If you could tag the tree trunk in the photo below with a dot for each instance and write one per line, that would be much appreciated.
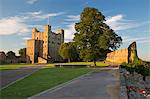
(68, 60)
(94, 63)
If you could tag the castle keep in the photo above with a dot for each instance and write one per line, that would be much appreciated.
(43, 46)
(127, 55)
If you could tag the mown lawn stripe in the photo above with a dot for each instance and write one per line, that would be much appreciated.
(41, 80)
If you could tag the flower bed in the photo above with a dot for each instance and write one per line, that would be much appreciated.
(135, 80)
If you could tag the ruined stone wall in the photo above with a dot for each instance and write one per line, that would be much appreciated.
(132, 53)
(127, 55)
(118, 56)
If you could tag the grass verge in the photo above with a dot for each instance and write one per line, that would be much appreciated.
(101, 64)
(41, 80)
(14, 66)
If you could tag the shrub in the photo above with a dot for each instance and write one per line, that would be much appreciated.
(142, 68)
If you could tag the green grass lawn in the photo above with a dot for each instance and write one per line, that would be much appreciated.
(16, 66)
(82, 63)
(41, 80)
(13, 66)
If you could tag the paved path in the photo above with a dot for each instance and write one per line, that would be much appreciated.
(9, 76)
(100, 84)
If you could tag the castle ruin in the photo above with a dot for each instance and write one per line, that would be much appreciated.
(43, 46)
(127, 55)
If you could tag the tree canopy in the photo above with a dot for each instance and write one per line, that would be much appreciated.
(68, 51)
(22, 52)
(11, 54)
(93, 35)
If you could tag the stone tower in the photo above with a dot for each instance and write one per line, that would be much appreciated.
(132, 52)
(44, 46)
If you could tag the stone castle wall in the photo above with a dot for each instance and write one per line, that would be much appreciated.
(124, 55)
(118, 56)
(43, 46)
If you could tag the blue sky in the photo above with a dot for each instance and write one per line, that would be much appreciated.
(129, 18)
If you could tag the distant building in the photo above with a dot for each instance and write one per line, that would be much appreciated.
(43, 46)
(2, 57)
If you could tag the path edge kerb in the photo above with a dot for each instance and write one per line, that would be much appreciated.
(123, 89)
(59, 86)
(19, 79)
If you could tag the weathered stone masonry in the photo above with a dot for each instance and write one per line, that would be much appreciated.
(43, 46)
(127, 55)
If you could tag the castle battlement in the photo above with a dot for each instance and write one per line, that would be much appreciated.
(43, 46)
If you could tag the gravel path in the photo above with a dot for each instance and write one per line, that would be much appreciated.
(100, 84)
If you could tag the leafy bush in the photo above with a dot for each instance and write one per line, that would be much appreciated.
(140, 67)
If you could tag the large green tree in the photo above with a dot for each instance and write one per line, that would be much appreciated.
(11, 54)
(68, 51)
(22, 52)
(93, 35)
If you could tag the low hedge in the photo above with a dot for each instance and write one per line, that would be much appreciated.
(143, 68)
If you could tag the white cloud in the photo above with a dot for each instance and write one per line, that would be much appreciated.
(14, 50)
(118, 22)
(39, 27)
(114, 18)
(73, 18)
(137, 39)
(69, 32)
(39, 15)
(31, 1)
(145, 41)
(26, 38)
(12, 25)
(44, 16)
(19, 25)
(33, 13)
